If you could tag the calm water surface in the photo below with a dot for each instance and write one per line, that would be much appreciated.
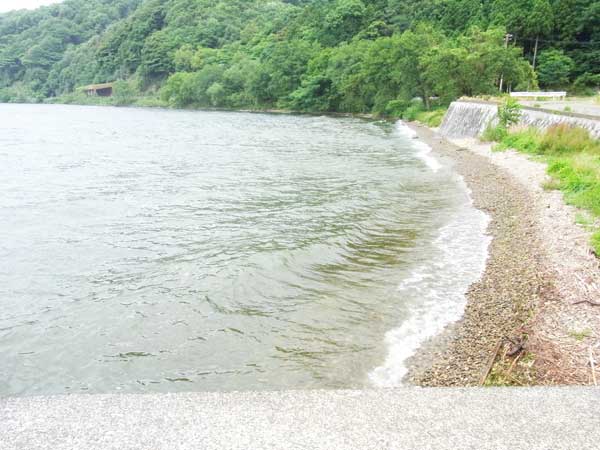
(149, 250)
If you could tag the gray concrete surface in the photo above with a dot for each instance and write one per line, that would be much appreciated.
(581, 106)
(519, 418)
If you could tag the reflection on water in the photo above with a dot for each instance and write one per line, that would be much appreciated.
(148, 250)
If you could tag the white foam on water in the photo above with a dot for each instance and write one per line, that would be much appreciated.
(423, 150)
(437, 289)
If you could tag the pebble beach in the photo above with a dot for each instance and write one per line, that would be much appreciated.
(510, 307)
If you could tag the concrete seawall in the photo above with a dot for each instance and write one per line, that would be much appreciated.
(469, 118)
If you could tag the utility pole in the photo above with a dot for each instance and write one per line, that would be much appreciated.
(537, 38)
(507, 37)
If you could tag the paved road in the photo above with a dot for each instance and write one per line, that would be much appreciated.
(588, 106)
(540, 418)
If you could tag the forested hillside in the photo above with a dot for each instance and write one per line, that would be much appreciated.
(39, 49)
(312, 55)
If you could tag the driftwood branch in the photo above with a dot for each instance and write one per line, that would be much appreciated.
(589, 302)
(591, 289)
(514, 363)
(491, 362)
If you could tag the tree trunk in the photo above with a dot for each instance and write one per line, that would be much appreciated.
(535, 50)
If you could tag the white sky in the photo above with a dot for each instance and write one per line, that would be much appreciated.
(9, 5)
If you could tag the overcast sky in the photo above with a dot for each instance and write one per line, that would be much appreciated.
(9, 5)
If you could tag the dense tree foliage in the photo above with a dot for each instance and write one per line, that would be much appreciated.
(554, 68)
(313, 55)
(46, 48)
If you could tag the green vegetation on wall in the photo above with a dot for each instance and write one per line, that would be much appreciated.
(308, 55)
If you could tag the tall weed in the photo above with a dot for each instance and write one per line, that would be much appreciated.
(563, 139)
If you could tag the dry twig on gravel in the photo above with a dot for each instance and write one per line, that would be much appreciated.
(491, 362)
(589, 302)
(593, 366)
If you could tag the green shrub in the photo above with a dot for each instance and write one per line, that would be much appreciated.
(124, 93)
(586, 84)
(412, 112)
(509, 113)
(494, 133)
(395, 108)
(20, 93)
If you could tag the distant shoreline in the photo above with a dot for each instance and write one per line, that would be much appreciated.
(366, 116)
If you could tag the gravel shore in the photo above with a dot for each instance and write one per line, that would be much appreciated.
(516, 282)
(564, 335)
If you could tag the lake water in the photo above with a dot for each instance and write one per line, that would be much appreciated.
(152, 250)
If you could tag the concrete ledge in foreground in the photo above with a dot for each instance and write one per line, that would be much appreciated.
(412, 418)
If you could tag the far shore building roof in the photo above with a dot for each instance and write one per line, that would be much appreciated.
(102, 89)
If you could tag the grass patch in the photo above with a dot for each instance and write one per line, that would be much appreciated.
(79, 98)
(578, 177)
(584, 220)
(580, 335)
(596, 243)
(513, 371)
(526, 141)
(431, 118)
(494, 133)
(573, 159)
(416, 111)
(150, 102)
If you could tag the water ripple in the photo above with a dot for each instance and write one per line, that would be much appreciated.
(148, 250)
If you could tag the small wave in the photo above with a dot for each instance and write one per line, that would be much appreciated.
(425, 154)
(458, 259)
(423, 150)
